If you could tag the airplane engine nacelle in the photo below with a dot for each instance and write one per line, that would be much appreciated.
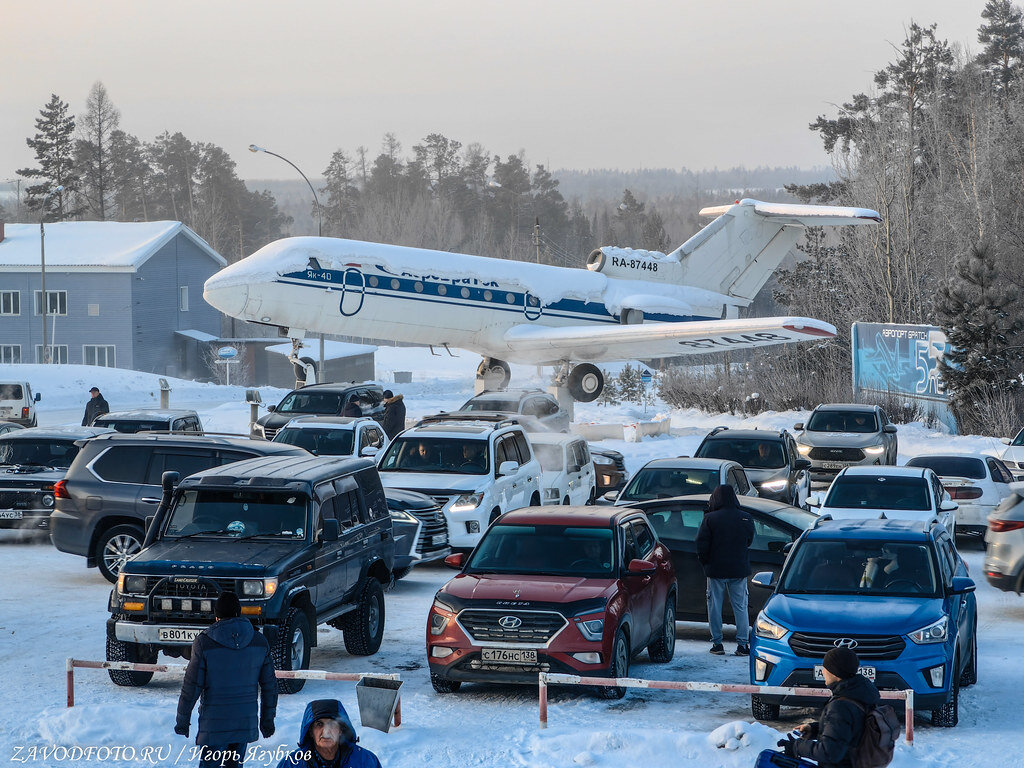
(635, 264)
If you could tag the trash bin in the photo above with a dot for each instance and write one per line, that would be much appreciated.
(377, 698)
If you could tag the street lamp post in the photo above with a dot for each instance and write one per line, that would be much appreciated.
(42, 268)
(319, 227)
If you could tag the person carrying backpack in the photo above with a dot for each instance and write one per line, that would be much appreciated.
(840, 739)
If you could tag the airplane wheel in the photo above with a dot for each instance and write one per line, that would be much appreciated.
(300, 370)
(495, 373)
(585, 382)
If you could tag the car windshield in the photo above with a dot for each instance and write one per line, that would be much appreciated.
(131, 426)
(879, 492)
(860, 567)
(39, 453)
(662, 483)
(1019, 439)
(238, 514)
(322, 442)
(311, 402)
(842, 421)
(550, 550)
(550, 457)
(437, 455)
(749, 452)
(10, 392)
(951, 466)
(489, 404)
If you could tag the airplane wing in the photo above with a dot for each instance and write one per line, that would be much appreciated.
(550, 345)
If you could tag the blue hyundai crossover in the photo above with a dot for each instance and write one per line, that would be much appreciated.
(895, 591)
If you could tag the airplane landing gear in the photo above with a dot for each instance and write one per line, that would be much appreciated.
(492, 374)
(305, 367)
(585, 382)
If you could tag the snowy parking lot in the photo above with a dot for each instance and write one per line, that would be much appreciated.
(54, 608)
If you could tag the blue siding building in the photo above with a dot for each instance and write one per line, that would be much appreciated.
(119, 294)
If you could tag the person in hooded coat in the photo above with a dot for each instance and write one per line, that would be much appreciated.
(96, 407)
(230, 666)
(723, 544)
(394, 414)
(327, 739)
(829, 741)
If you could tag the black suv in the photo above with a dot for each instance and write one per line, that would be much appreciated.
(302, 541)
(771, 460)
(114, 485)
(320, 400)
(32, 461)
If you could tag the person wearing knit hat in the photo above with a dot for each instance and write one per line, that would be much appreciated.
(828, 741)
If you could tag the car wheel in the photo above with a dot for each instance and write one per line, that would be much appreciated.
(618, 668)
(535, 500)
(565, 502)
(969, 675)
(948, 715)
(593, 498)
(119, 650)
(495, 514)
(115, 547)
(291, 651)
(401, 573)
(663, 648)
(443, 685)
(762, 709)
(364, 627)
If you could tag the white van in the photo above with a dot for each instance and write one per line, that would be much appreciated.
(17, 403)
(568, 469)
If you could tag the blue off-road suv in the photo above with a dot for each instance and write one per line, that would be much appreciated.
(895, 591)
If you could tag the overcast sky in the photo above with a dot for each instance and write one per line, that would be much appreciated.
(595, 84)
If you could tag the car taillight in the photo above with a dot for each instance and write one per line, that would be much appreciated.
(964, 492)
(1002, 526)
(60, 491)
(24, 412)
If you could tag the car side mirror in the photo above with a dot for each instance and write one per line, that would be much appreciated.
(507, 468)
(271, 408)
(455, 561)
(369, 450)
(611, 496)
(640, 568)
(802, 464)
(764, 579)
(1005, 440)
(331, 530)
(948, 506)
(962, 585)
(799, 426)
(778, 546)
(38, 397)
(889, 429)
(814, 500)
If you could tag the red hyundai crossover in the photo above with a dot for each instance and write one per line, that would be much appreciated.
(581, 591)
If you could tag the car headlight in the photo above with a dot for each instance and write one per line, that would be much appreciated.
(592, 629)
(135, 585)
(440, 613)
(874, 450)
(775, 485)
(933, 633)
(804, 449)
(405, 517)
(259, 587)
(765, 627)
(467, 502)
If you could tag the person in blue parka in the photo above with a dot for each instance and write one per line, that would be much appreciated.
(328, 740)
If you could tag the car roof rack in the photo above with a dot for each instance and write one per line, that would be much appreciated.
(821, 519)
(716, 430)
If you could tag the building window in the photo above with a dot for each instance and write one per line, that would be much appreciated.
(10, 354)
(99, 354)
(56, 302)
(58, 353)
(183, 298)
(94, 310)
(10, 302)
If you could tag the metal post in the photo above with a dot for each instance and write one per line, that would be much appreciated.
(542, 685)
(71, 682)
(909, 710)
(42, 279)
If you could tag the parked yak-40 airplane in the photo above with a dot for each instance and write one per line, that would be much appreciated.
(627, 304)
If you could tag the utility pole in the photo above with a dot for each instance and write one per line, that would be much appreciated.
(536, 237)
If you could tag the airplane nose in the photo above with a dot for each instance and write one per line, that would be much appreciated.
(229, 299)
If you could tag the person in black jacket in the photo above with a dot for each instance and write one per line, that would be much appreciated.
(394, 414)
(95, 408)
(723, 541)
(353, 408)
(829, 740)
(230, 665)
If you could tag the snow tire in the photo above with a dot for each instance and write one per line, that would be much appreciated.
(363, 628)
(291, 649)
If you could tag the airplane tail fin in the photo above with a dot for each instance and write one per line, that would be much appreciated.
(737, 252)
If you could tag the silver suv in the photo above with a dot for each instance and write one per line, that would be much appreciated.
(843, 435)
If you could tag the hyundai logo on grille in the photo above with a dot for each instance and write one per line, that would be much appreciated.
(510, 622)
(845, 642)
(836, 450)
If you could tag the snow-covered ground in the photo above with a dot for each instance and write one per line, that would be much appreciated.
(53, 608)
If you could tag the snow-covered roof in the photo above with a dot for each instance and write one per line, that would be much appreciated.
(113, 246)
(333, 350)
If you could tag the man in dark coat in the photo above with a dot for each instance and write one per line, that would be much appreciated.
(353, 407)
(328, 740)
(95, 408)
(829, 740)
(394, 414)
(230, 665)
(723, 541)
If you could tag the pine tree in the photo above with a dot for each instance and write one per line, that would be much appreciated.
(629, 384)
(93, 152)
(340, 207)
(631, 218)
(54, 148)
(976, 309)
(1002, 36)
(130, 174)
